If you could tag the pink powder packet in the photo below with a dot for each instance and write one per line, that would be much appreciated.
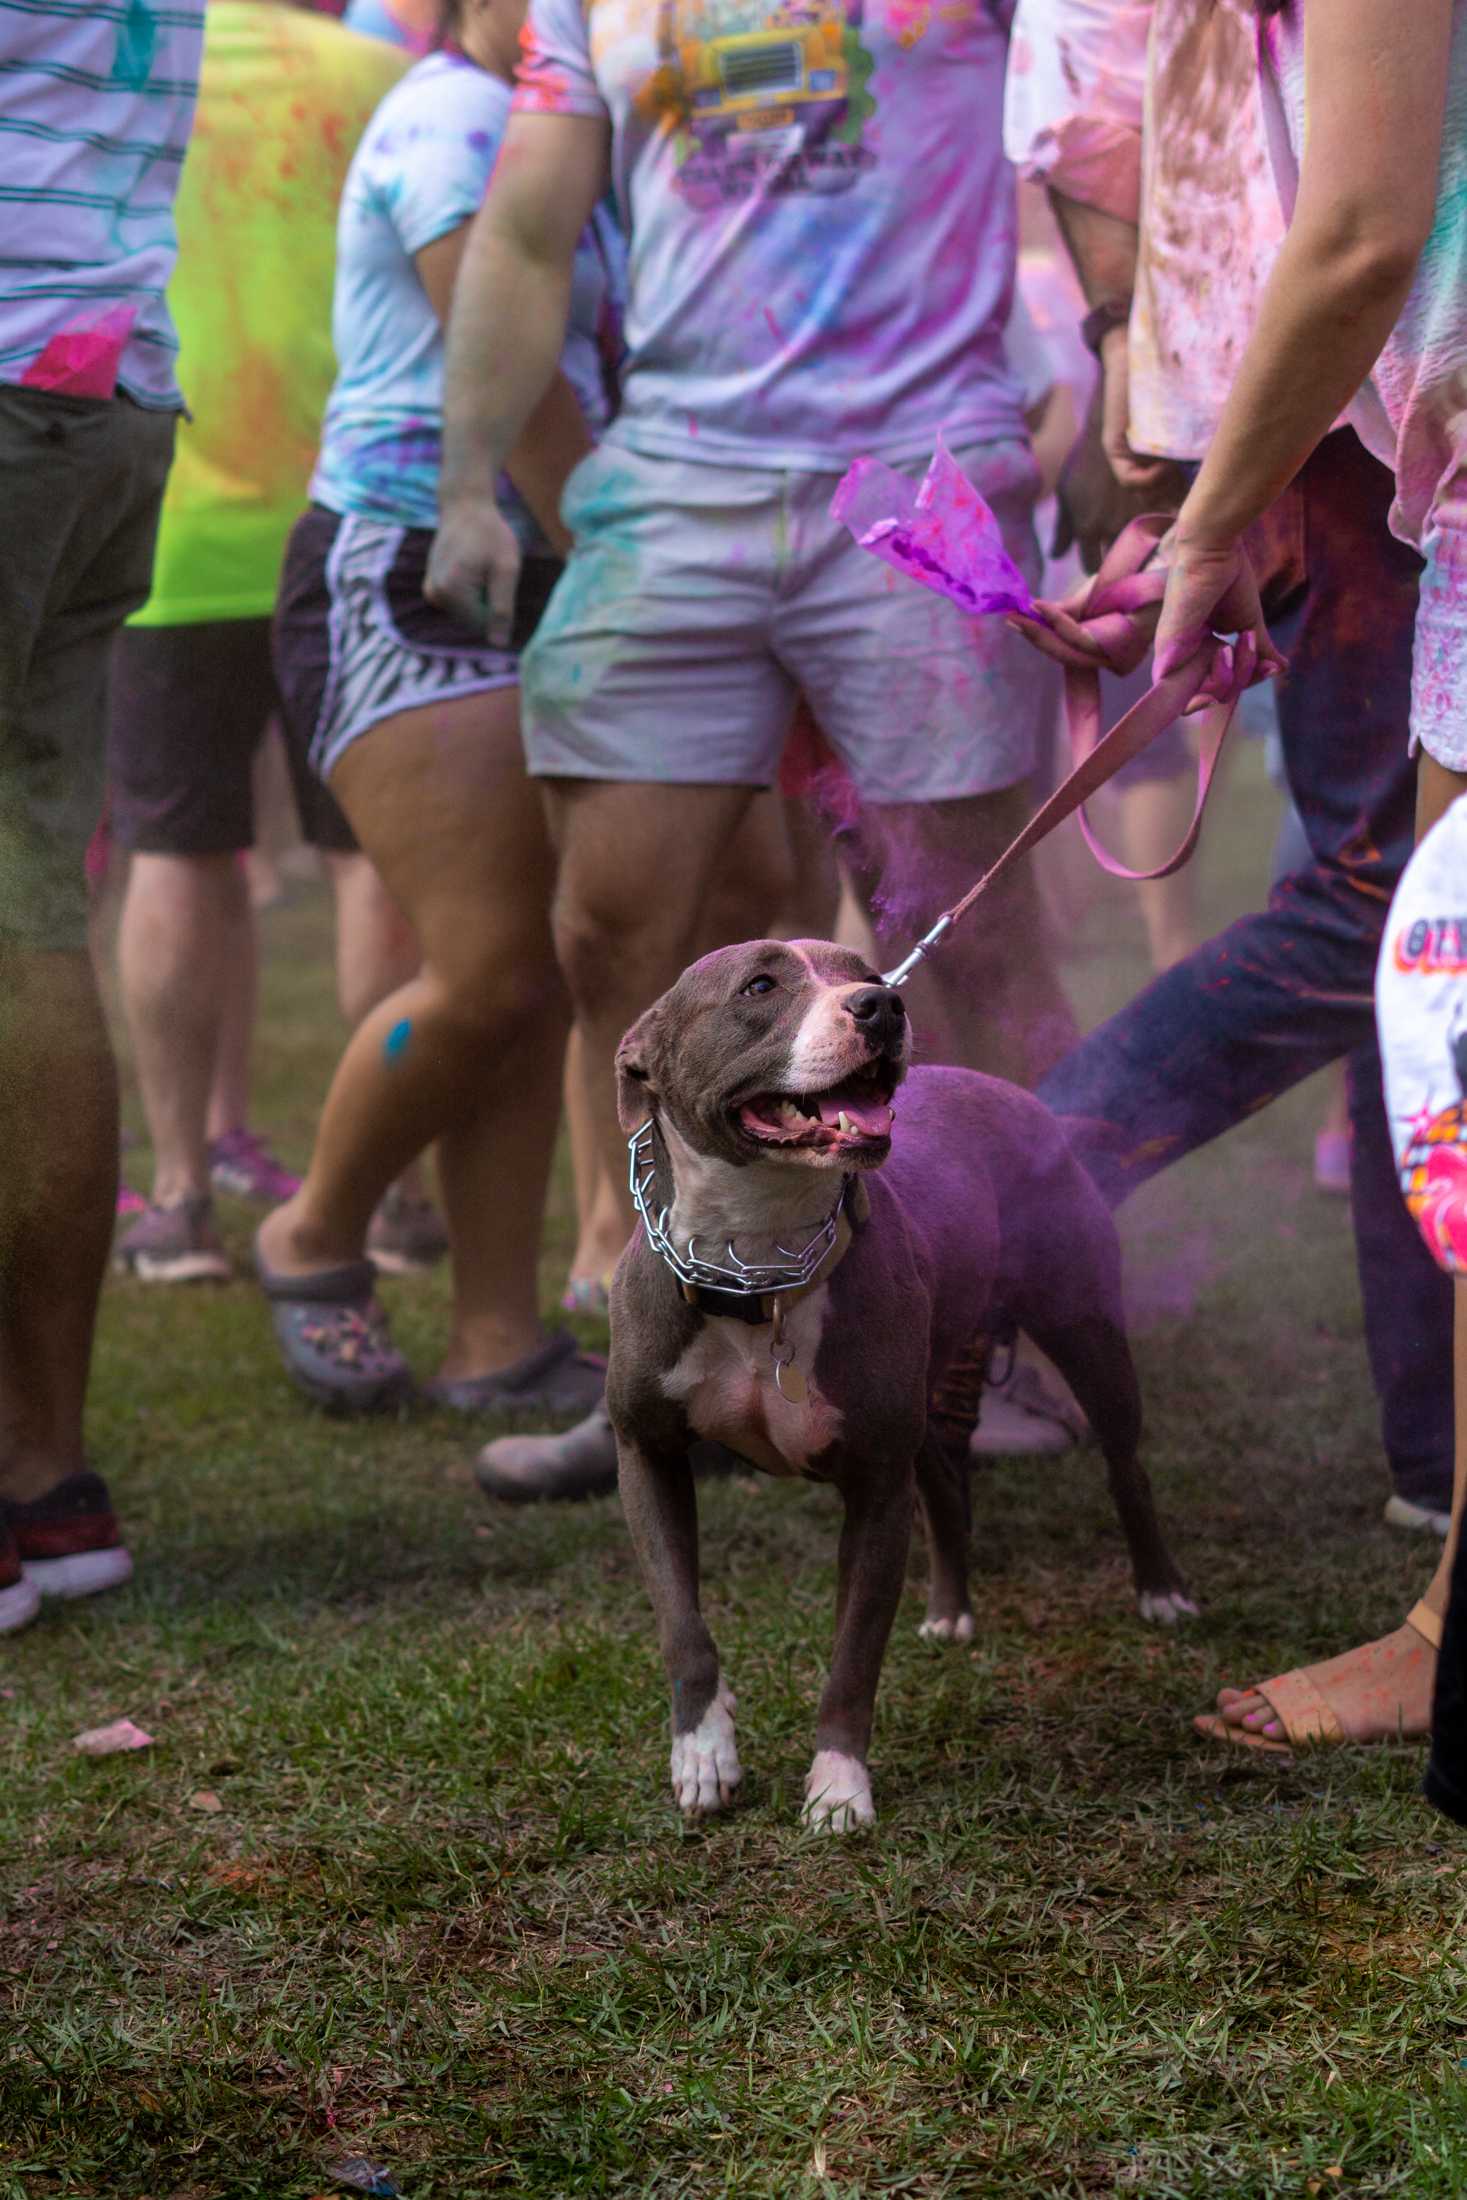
(939, 532)
(83, 362)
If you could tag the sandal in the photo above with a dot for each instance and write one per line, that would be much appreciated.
(1305, 1713)
(334, 1339)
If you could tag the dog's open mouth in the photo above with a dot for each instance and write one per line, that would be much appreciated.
(852, 1117)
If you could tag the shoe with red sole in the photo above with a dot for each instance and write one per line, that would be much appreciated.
(69, 1542)
(20, 1599)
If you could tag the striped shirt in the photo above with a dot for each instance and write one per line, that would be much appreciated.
(96, 103)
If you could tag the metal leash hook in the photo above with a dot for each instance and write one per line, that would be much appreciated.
(789, 1378)
(924, 946)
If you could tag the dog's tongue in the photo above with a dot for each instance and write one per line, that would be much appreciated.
(865, 1113)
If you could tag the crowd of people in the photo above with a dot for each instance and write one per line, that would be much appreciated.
(523, 354)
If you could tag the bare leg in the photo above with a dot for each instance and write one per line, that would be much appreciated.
(989, 998)
(755, 879)
(635, 859)
(1381, 1689)
(58, 1192)
(376, 952)
(469, 1050)
(872, 1567)
(662, 1516)
(601, 1226)
(229, 1094)
(186, 929)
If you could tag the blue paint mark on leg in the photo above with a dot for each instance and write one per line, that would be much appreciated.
(395, 1044)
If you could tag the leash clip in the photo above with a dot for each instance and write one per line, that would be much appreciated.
(789, 1378)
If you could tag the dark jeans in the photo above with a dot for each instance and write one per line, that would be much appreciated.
(1290, 988)
(1446, 1775)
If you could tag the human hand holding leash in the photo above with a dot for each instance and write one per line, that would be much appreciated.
(474, 567)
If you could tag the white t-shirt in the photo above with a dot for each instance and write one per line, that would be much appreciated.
(820, 215)
(1412, 412)
(422, 169)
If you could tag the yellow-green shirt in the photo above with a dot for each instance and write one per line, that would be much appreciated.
(283, 98)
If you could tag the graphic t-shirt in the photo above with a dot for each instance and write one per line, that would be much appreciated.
(95, 105)
(1412, 411)
(421, 170)
(283, 98)
(820, 214)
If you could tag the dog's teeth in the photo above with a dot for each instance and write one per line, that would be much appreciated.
(843, 1121)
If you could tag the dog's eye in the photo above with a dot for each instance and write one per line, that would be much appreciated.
(761, 984)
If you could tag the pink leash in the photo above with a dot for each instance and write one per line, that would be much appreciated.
(1126, 583)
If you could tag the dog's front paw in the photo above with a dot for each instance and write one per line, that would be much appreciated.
(1166, 1607)
(705, 1761)
(960, 1629)
(837, 1794)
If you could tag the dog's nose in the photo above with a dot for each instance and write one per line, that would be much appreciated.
(879, 1011)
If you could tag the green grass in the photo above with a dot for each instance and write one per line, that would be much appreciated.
(446, 1918)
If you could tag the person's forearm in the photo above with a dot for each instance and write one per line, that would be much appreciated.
(1103, 248)
(505, 338)
(1331, 302)
(554, 441)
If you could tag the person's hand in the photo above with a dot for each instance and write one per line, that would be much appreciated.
(474, 567)
(1210, 590)
(1096, 502)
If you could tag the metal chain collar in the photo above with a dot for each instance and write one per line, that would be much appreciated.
(751, 1280)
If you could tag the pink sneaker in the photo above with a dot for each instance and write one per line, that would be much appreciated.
(240, 1162)
(129, 1202)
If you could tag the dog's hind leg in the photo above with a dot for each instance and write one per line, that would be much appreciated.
(1095, 1360)
(942, 1492)
(661, 1511)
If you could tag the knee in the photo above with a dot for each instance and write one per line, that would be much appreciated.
(495, 995)
(614, 952)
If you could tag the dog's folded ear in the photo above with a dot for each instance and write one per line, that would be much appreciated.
(636, 1070)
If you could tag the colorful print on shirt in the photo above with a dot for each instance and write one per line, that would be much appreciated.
(820, 214)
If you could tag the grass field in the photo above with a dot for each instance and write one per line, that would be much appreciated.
(443, 1916)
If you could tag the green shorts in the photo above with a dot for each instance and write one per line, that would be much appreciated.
(84, 483)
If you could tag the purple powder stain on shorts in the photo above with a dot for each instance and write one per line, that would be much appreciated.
(394, 1046)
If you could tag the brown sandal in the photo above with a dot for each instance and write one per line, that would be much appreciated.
(1305, 1714)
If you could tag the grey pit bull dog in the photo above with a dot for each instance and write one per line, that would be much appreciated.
(823, 1319)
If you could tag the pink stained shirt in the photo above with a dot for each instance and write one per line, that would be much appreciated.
(1153, 107)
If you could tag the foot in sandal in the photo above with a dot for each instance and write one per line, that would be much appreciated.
(1377, 1692)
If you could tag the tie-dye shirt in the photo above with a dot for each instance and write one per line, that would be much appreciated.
(1413, 410)
(1152, 107)
(422, 170)
(821, 218)
(283, 98)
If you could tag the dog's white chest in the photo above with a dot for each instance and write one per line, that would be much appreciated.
(726, 1381)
